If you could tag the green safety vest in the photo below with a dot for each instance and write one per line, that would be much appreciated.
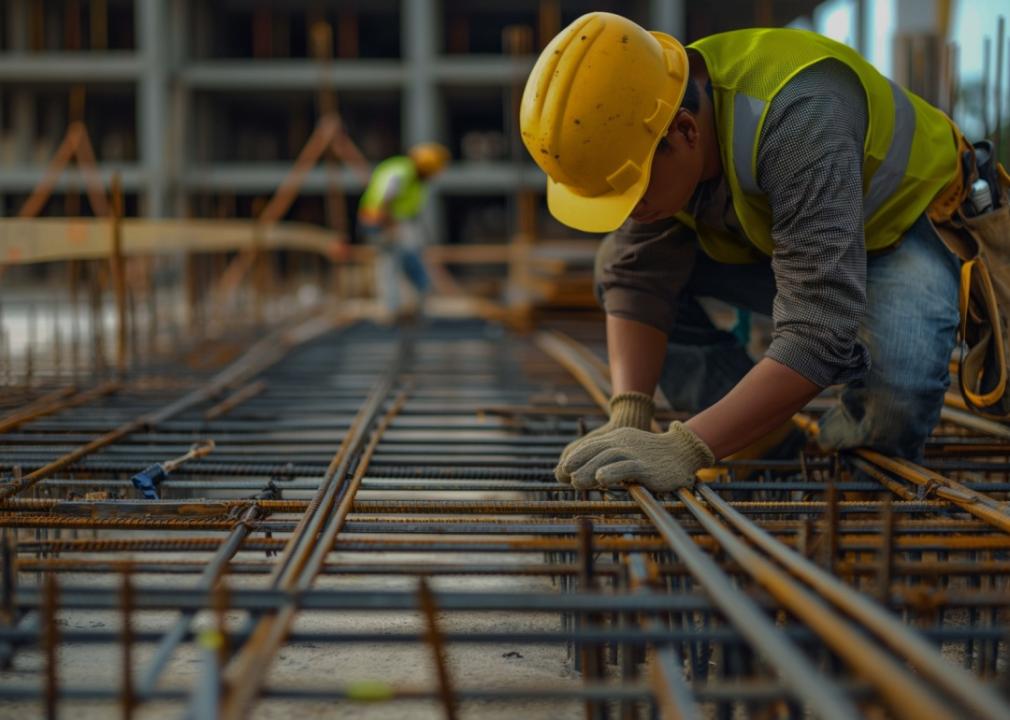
(909, 156)
(408, 201)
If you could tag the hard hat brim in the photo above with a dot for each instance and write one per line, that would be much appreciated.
(598, 214)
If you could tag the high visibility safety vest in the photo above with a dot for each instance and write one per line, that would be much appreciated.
(909, 155)
(410, 197)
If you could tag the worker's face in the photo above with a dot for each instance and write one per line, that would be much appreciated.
(676, 171)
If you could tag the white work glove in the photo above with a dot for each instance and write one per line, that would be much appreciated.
(629, 409)
(660, 461)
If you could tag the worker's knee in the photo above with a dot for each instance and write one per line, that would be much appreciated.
(900, 424)
(892, 419)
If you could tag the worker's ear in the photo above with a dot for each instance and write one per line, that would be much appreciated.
(684, 124)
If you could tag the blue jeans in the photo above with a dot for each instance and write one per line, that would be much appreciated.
(413, 267)
(399, 251)
(909, 330)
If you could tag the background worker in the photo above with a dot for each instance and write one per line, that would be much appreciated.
(389, 218)
(773, 169)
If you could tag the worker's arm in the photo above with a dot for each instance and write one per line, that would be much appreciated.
(385, 210)
(766, 397)
(819, 258)
(640, 270)
(636, 353)
(814, 190)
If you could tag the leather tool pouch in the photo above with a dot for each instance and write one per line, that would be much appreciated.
(983, 244)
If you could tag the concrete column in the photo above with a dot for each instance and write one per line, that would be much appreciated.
(860, 28)
(21, 100)
(420, 26)
(916, 30)
(669, 16)
(179, 151)
(419, 39)
(915, 16)
(152, 101)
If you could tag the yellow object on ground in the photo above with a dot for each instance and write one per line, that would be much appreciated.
(370, 691)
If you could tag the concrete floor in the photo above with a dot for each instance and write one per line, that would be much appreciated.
(316, 665)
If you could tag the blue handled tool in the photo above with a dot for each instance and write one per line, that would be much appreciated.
(149, 479)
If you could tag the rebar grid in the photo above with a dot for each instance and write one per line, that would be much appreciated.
(388, 493)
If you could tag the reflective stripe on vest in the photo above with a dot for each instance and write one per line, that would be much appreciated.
(890, 173)
(747, 113)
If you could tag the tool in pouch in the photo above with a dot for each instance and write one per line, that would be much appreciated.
(978, 232)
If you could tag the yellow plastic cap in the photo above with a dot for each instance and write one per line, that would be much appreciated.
(598, 101)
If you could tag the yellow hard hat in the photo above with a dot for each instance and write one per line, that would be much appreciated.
(430, 158)
(598, 101)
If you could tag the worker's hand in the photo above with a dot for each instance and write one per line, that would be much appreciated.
(660, 461)
(630, 409)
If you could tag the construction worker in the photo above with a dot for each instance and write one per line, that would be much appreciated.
(389, 218)
(773, 169)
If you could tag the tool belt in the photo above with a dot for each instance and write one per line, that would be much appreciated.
(982, 241)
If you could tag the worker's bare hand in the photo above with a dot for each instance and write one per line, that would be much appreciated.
(660, 461)
(630, 409)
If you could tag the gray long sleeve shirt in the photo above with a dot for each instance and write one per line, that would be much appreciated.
(809, 165)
